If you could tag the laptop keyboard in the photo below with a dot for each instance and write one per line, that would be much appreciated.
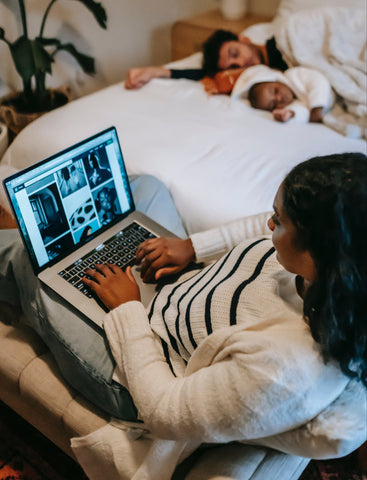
(119, 250)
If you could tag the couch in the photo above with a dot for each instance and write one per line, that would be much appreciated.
(32, 385)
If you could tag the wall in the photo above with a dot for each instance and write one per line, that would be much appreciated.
(265, 7)
(138, 34)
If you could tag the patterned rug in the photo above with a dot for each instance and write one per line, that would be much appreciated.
(25, 454)
(339, 469)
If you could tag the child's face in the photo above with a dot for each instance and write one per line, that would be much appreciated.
(271, 95)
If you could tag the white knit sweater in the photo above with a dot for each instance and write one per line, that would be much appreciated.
(226, 354)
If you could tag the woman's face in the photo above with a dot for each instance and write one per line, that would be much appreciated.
(291, 256)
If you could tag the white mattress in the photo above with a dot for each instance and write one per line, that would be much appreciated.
(219, 158)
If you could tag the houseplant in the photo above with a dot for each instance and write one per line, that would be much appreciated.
(33, 60)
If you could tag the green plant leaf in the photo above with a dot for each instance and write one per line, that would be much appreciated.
(42, 58)
(30, 58)
(48, 41)
(85, 61)
(97, 10)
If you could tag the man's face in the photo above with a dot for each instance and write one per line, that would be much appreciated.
(238, 54)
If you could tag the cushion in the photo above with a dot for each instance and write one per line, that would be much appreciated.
(335, 432)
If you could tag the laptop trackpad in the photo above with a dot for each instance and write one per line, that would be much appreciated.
(147, 290)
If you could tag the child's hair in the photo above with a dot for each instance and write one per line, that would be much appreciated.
(326, 200)
(211, 50)
(253, 95)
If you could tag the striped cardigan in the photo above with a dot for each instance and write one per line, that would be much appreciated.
(265, 374)
(222, 355)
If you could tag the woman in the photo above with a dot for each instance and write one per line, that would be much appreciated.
(226, 353)
(319, 234)
(236, 359)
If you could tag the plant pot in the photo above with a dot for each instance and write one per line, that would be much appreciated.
(3, 139)
(16, 120)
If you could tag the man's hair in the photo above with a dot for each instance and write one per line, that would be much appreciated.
(326, 200)
(211, 50)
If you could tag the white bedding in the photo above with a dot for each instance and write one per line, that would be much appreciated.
(314, 38)
(221, 160)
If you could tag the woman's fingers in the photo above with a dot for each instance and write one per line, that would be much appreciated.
(162, 272)
(147, 247)
(95, 275)
(130, 275)
(112, 285)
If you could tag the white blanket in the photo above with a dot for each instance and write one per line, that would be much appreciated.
(221, 160)
(333, 41)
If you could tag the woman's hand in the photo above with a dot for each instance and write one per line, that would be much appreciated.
(164, 256)
(138, 77)
(112, 285)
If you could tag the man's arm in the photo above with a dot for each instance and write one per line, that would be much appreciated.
(195, 74)
(138, 77)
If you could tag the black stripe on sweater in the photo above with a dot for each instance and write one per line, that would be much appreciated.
(222, 262)
(208, 321)
(172, 339)
(166, 355)
(164, 344)
(243, 285)
(177, 323)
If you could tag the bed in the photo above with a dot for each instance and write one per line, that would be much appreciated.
(220, 160)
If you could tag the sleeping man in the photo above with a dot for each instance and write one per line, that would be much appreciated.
(308, 38)
(222, 51)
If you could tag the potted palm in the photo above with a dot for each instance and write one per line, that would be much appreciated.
(33, 58)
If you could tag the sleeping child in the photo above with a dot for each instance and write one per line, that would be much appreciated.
(299, 93)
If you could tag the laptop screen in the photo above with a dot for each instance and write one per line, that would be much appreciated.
(66, 200)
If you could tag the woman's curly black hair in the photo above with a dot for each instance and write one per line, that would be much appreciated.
(326, 199)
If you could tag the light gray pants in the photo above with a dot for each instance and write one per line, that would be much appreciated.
(80, 349)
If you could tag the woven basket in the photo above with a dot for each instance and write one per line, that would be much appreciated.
(16, 121)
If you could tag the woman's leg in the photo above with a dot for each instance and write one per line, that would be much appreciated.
(152, 198)
(80, 348)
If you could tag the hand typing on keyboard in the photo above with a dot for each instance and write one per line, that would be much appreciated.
(112, 285)
(164, 256)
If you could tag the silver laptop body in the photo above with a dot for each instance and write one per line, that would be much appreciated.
(73, 206)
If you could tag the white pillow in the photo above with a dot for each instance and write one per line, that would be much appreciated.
(335, 432)
(287, 7)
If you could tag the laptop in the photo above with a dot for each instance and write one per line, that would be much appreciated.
(74, 210)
